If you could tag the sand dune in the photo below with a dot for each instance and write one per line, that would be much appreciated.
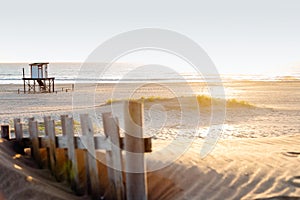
(21, 178)
(236, 169)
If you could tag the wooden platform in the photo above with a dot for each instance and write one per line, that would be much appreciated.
(38, 85)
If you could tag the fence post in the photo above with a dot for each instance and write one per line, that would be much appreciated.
(18, 129)
(5, 132)
(136, 179)
(63, 123)
(72, 157)
(63, 171)
(33, 131)
(92, 171)
(50, 132)
(114, 157)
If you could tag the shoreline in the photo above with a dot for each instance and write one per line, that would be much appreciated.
(135, 81)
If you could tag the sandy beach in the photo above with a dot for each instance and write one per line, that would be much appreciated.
(241, 166)
(150, 100)
(237, 169)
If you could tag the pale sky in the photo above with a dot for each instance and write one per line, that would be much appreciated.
(257, 36)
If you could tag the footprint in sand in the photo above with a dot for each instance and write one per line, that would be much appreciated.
(292, 154)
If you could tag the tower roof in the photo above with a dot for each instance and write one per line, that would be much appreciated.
(44, 63)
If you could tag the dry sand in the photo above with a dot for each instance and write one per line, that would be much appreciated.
(236, 169)
(20, 178)
(257, 168)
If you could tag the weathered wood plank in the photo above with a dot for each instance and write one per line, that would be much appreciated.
(5, 132)
(33, 132)
(101, 142)
(51, 144)
(136, 179)
(114, 156)
(110, 171)
(43, 141)
(63, 155)
(92, 167)
(63, 123)
(72, 157)
(147, 144)
(18, 129)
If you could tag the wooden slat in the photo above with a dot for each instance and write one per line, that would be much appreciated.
(110, 171)
(33, 131)
(43, 141)
(92, 168)
(63, 123)
(147, 144)
(51, 144)
(136, 179)
(68, 126)
(101, 142)
(64, 156)
(61, 142)
(114, 156)
(5, 132)
(18, 129)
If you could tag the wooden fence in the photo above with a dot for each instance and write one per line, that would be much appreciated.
(135, 186)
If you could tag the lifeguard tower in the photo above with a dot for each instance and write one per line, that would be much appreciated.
(39, 82)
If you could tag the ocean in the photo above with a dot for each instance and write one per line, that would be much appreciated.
(11, 73)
